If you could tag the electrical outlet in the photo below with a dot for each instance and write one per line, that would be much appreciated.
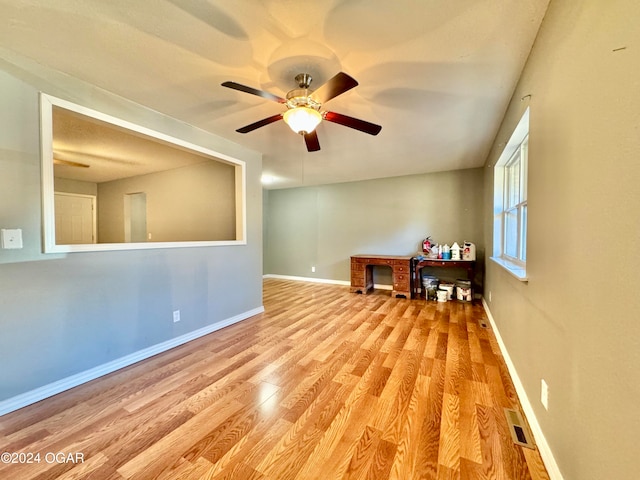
(489, 295)
(313, 269)
(176, 316)
(544, 394)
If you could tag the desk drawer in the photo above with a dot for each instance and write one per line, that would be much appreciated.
(401, 267)
(401, 282)
(357, 267)
(360, 260)
(381, 261)
(373, 260)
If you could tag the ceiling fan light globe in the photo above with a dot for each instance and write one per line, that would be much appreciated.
(302, 119)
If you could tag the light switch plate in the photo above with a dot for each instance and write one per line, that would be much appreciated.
(11, 238)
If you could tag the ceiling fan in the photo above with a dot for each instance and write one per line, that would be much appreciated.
(69, 163)
(304, 108)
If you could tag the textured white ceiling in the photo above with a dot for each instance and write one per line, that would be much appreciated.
(108, 152)
(436, 74)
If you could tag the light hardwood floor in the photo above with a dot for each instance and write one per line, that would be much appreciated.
(324, 385)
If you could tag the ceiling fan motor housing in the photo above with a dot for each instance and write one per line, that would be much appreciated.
(300, 97)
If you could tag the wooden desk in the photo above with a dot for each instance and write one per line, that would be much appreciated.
(362, 273)
(468, 265)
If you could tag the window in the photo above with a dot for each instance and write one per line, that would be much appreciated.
(515, 206)
(510, 203)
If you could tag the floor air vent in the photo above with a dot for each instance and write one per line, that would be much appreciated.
(519, 431)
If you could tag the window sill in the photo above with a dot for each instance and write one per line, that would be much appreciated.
(517, 271)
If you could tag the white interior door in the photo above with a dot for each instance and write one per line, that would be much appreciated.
(75, 219)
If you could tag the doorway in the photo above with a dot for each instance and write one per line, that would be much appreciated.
(75, 218)
(135, 217)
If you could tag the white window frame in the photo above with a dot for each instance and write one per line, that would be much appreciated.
(518, 158)
(514, 154)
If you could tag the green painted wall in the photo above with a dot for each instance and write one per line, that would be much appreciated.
(323, 226)
(575, 323)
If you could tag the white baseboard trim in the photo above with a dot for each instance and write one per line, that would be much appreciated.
(541, 441)
(320, 280)
(306, 279)
(33, 396)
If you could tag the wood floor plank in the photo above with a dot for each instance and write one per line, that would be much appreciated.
(405, 459)
(324, 385)
(449, 454)
(537, 470)
(333, 452)
(493, 466)
(363, 454)
(470, 443)
(292, 451)
(429, 444)
(166, 451)
(252, 450)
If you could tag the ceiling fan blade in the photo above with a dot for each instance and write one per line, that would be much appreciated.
(254, 91)
(363, 126)
(311, 139)
(260, 123)
(69, 163)
(335, 86)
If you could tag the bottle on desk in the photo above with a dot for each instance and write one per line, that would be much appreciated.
(446, 252)
(469, 251)
(455, 251)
